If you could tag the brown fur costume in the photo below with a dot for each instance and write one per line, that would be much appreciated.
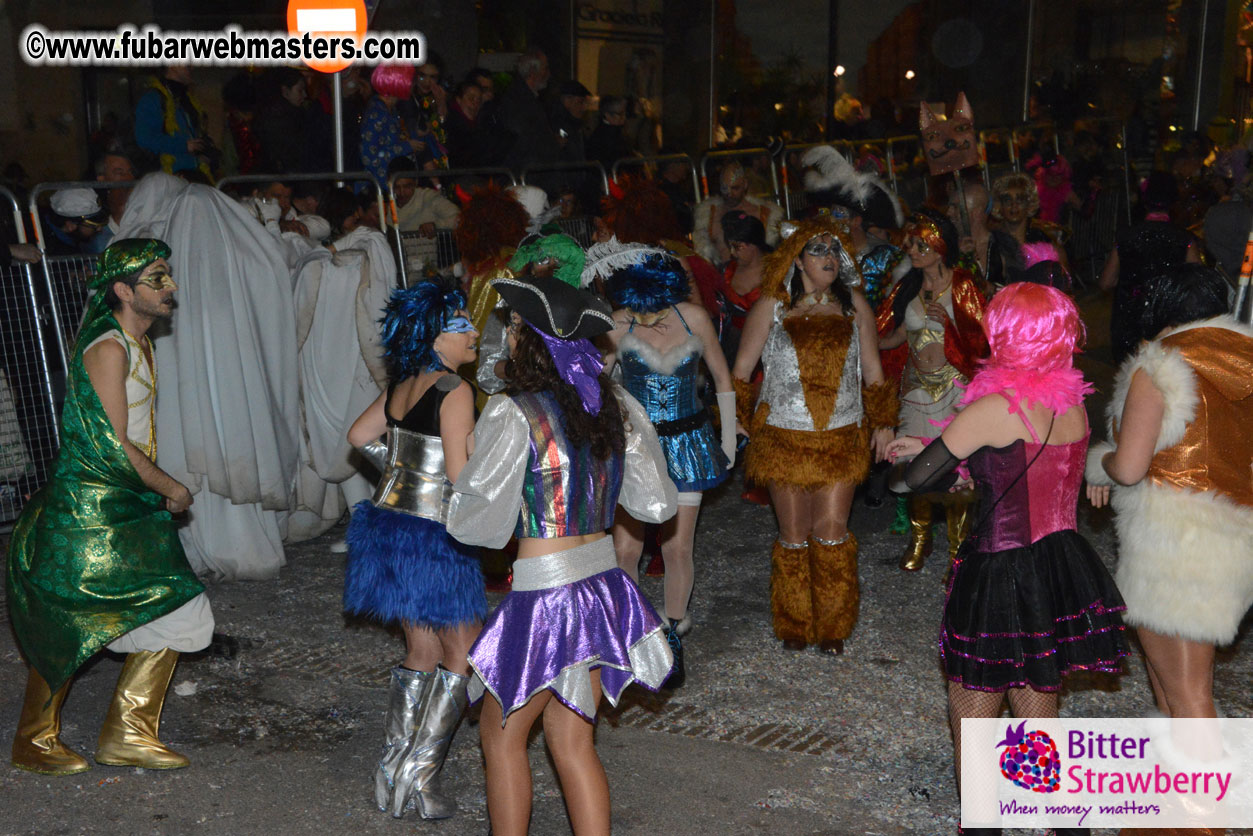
(795, 458)
(881, 403)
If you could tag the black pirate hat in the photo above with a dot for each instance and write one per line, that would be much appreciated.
(556, 308)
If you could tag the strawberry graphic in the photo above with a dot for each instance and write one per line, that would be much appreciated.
(1030, 759)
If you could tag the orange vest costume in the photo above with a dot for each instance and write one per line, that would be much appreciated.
(1185, 531)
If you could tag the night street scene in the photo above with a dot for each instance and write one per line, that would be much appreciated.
(627, 416)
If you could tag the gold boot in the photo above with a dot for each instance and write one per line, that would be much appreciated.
(919, 532)
(129, 734)
(37, 745)
(957, 515)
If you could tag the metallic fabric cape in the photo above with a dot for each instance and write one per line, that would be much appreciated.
(964, 341)
(94, 554)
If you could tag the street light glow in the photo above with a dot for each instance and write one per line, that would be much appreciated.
(839, 69)
(909, 74)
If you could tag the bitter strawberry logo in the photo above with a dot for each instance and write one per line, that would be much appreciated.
(1030, 759)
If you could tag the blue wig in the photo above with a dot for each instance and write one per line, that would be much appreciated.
(652, 284)
(413, 318)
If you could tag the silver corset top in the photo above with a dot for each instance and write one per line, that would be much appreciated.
(782, 389)
(414, 480)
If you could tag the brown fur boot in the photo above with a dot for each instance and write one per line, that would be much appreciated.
(836, 595)
(790, 592)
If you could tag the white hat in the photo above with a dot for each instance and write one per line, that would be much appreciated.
(75, 203)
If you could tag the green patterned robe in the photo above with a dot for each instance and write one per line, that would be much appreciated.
(94, 554)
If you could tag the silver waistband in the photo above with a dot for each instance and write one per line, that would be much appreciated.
(560, 568)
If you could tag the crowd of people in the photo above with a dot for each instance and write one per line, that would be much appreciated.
(551, 405)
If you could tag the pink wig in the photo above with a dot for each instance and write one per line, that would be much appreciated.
(1033, 254)
(392, 80)
(1032, 327)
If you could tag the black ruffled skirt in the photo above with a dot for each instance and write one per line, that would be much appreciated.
(1029, 616)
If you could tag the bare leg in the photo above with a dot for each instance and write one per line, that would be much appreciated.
(677, 543)
(508, 770)
(1185, 671)
(1159, 693)
(571, 740)
(455, 644)
(422, 648)
(628, 543)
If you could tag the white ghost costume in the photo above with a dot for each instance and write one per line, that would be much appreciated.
(228, 409)
(339, 302)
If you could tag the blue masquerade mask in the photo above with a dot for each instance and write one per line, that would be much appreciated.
(458, 325)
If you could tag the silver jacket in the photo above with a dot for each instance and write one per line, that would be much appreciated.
(488, 498)
(414, 480)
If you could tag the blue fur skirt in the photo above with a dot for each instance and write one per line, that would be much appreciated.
(407, 568)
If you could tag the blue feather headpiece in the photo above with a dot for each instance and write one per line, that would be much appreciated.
(413, 318)
(652, 284)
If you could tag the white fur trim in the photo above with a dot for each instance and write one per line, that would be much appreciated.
(1185, 564)
(1173, 377)
(1094, 473)
(662, 362)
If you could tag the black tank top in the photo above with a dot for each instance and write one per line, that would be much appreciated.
(423, 416)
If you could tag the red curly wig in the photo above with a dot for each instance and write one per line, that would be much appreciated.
(642, 215)
(492, 221)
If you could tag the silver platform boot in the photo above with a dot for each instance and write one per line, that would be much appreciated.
(404, 704)
(416, 776)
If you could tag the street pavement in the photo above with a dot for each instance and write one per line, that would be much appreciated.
(284, 737)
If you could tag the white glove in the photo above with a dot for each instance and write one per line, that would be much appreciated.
(726, 415)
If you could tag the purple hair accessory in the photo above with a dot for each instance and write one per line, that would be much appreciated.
(578, 362)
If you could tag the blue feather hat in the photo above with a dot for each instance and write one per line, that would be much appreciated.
(413, 318)
(653, 283)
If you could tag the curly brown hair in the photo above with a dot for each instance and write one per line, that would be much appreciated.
(530, 368)
(491, 221)
(642, 215)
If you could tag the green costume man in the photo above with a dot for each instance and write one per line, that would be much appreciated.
(95, 558)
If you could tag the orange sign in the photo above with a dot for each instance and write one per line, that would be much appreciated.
(328, 18)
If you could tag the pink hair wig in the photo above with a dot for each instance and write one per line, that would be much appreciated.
(1033, 254)
(392, 80)
(1032, 326)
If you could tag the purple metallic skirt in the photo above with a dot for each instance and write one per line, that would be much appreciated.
(569, 613)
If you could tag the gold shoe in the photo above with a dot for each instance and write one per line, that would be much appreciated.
(129, 734)
(957, 515)
(37, 745)
(919, 533)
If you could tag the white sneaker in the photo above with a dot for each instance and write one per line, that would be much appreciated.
(339, 547)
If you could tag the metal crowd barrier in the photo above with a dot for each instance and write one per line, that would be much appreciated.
(317, 177)
(414, 252)
(29, 434)
(732, 153)
(65, 275)
(650, 162)
(593, 166)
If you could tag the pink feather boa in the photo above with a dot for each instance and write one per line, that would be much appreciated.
(1058, 390)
